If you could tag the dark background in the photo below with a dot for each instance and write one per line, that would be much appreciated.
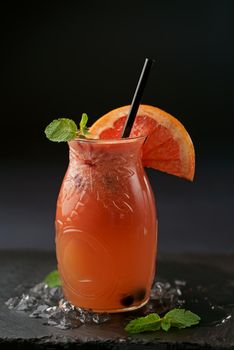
(65, 58)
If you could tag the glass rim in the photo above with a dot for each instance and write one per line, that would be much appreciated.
(109, 141)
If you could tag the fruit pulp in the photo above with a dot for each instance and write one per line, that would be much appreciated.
(106, 226)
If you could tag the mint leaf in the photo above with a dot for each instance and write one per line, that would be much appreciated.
(83, 123)
(53, 279)
(181, 318)
(178, 318)
(150, 322)
(165, 324)
(61, 130)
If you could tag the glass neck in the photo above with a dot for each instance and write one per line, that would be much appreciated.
(112, 152)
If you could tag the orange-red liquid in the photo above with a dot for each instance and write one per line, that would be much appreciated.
(106, 226)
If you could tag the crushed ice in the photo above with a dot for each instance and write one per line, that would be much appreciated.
(165, 296)
(41, 301)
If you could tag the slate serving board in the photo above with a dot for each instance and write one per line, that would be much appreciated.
(213, 273)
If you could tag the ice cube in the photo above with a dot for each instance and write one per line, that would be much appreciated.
(101, 318)
(180, 283)
(12, 302)
(40, 312)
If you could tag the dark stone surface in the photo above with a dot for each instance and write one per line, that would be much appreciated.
(213, 273)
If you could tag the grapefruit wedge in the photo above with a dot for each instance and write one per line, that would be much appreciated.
(168, 146)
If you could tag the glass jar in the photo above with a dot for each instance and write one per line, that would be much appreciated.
(106, 226)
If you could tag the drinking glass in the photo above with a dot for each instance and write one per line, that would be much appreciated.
(106, 226)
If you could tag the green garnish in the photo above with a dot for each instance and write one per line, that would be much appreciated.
(151, 322)
(64, 129)
(53, 279)
(178, 318)
(83, 122)
(61, 129)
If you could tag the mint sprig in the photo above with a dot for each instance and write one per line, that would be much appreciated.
(178, 318)
(53, 279)
(64, 129)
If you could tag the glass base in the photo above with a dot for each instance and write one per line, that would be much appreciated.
(130, 308)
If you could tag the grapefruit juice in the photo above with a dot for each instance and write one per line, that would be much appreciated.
(106, 226)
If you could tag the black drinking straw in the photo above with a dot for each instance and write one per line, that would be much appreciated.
(137, 97)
